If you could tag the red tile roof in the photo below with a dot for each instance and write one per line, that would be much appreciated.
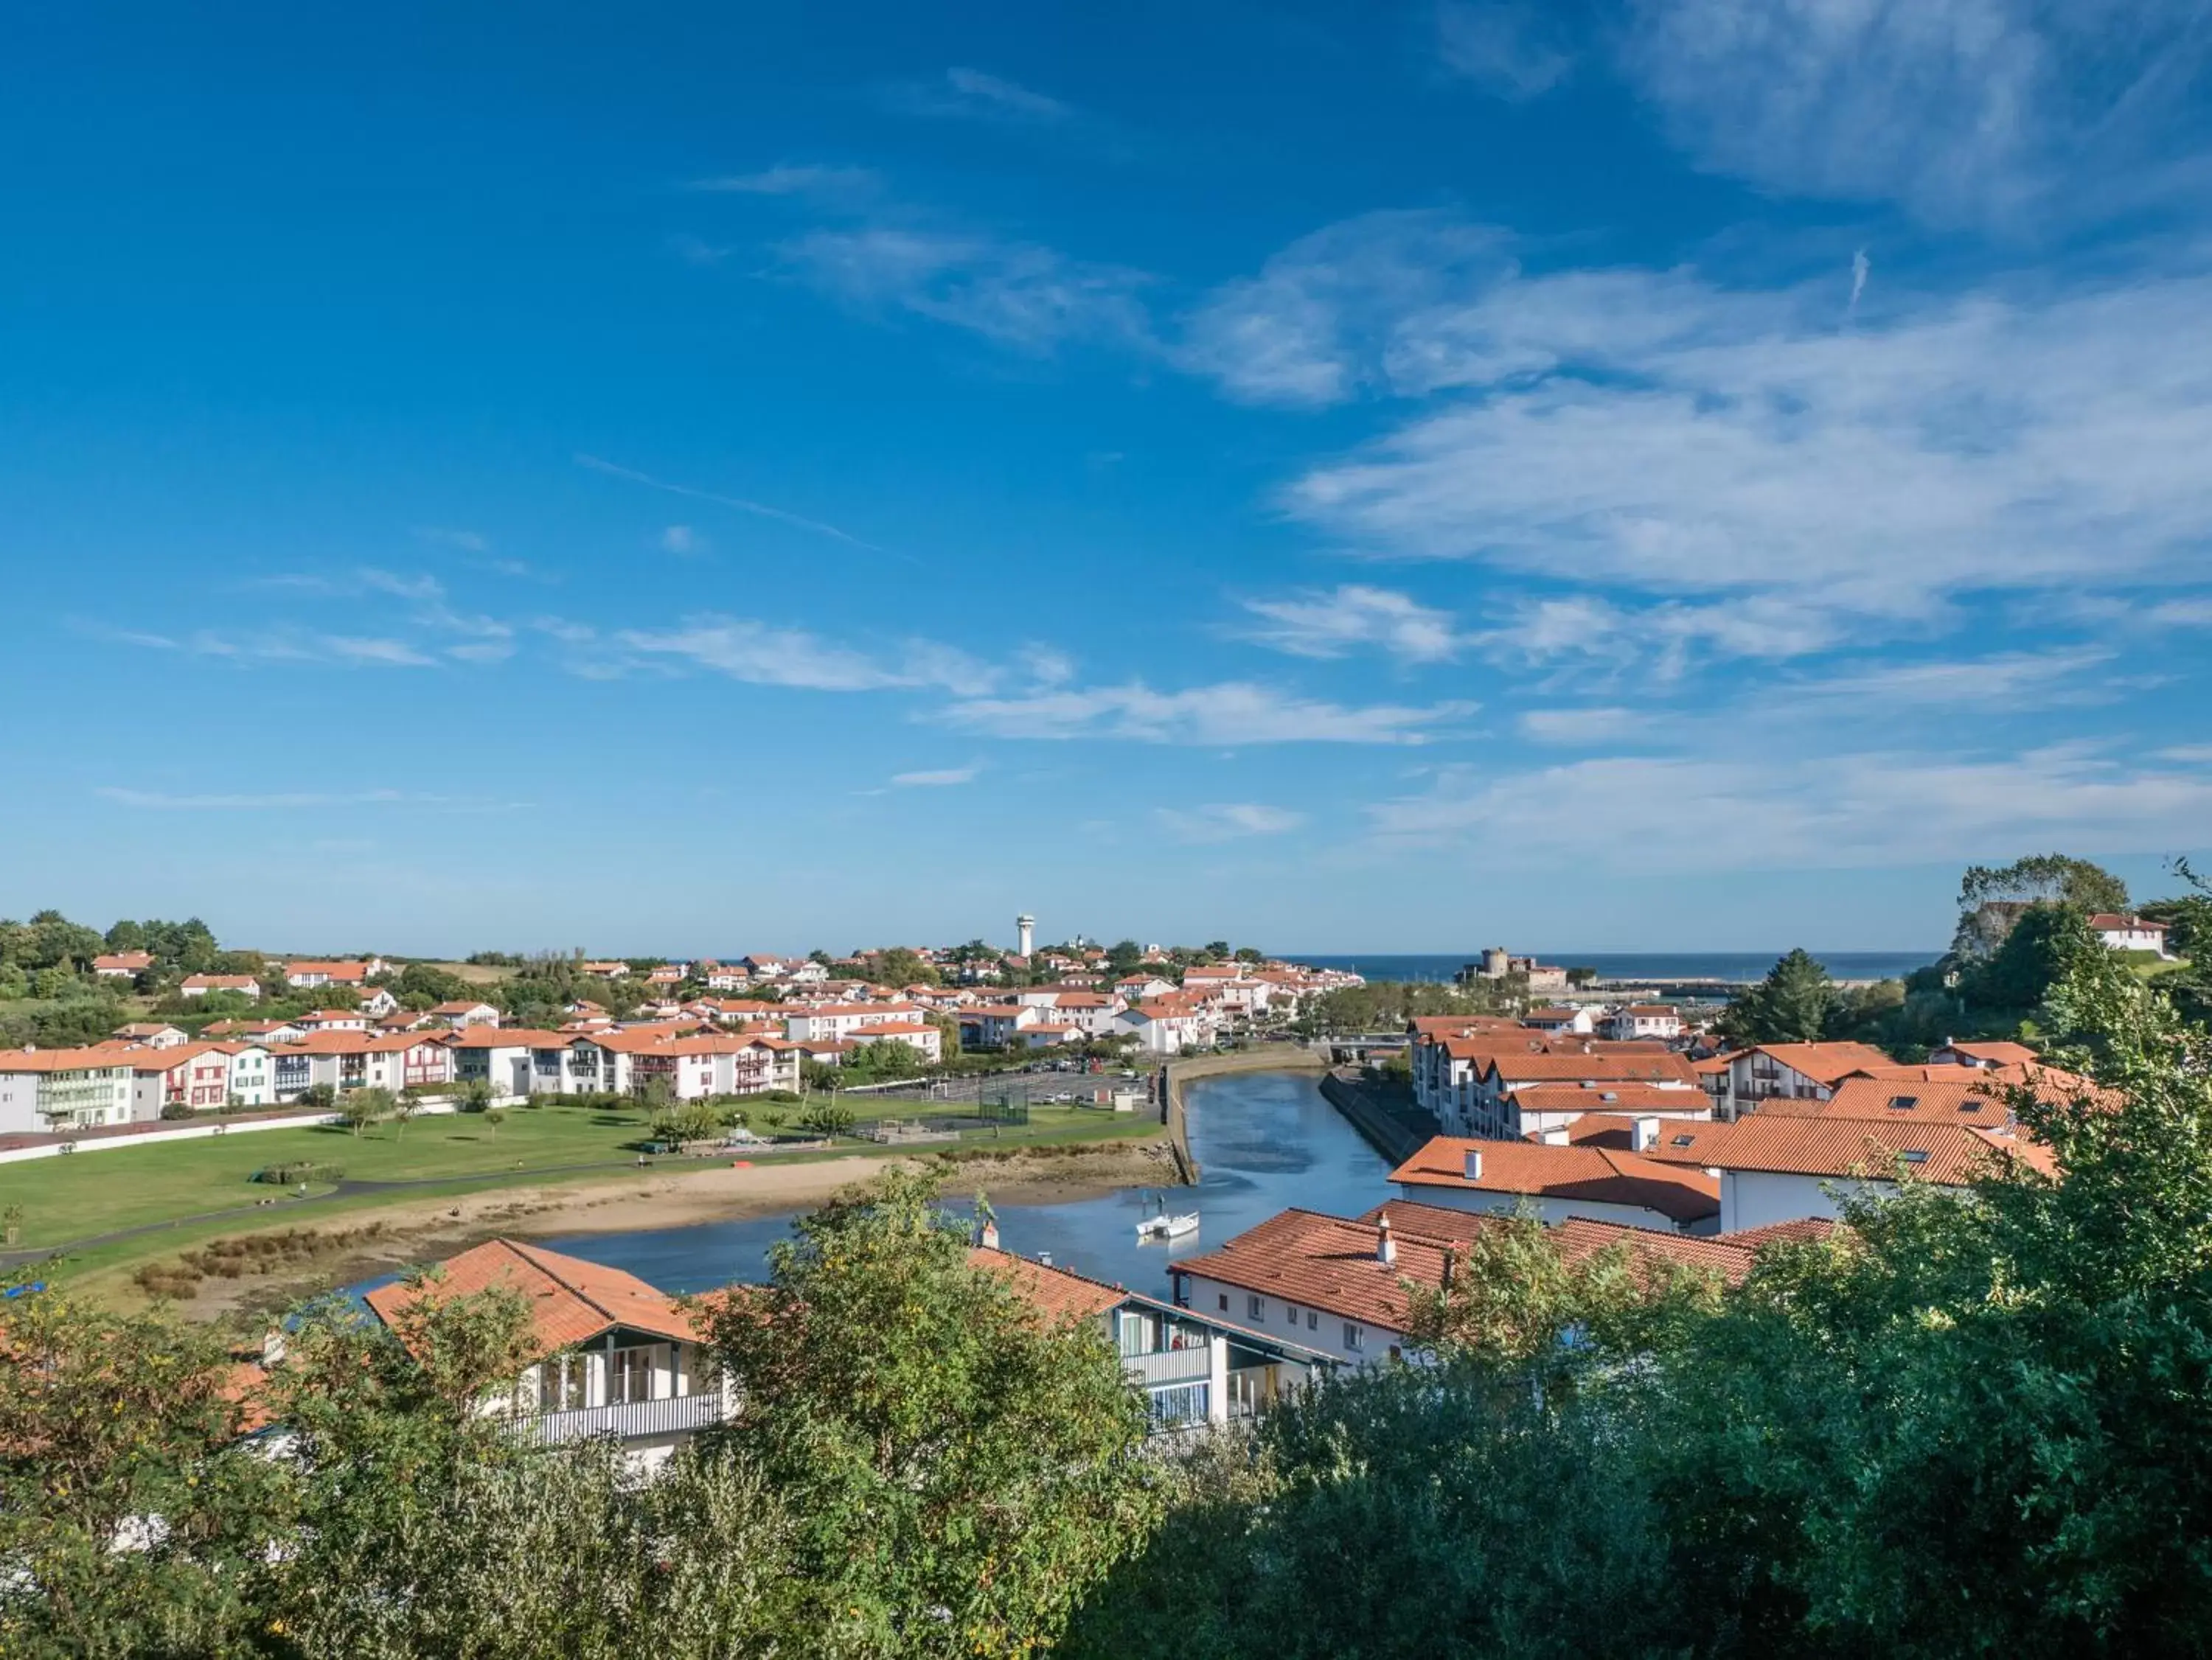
(1953, 1155)
(1060, 1294)
(571, 1301)
(1630, 1098)
(1595, 1175)
(1824, 1063)
(1729, 1254)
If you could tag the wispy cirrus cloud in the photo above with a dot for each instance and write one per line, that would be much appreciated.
(1634, 812)
(1336, 622)
(1017, 294)
(766, 655)
(938, 778)
(290, 800)
(1965, 111)
(1219, 821)
(1846, 482)
(969, 94)
(1229, 713)
(793, 178)
(1511, 49)
(468, 541)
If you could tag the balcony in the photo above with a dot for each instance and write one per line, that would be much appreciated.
(1169, 1366)
(633, 1421)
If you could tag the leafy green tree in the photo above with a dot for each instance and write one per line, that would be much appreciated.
(958, 1467)
(901, 965)
(827, 1116)
(1792, 1004)
(107, 1422)
(1992, 900)
(13, 982)
(2040, 950)
(361, 1109)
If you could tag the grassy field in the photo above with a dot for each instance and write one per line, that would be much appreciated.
(75, 1198)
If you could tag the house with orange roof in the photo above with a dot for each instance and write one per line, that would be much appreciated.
(1495, 1072)
(1774, 1167)
(1536, 1108)
(1553, 1184)
(122, 965)
(1191, 1367)
(1796, 1071)
(464, 1012)
(613, 1356)
(2130, 933)
(1951, 1053)
(1663, 1021)
(310, 973)
(150, 1034)
(198, 985)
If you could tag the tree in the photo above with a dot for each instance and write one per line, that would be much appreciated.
(1792, 1004)
(902, 966)
(108, 1421)
(1249, 954)
(404, 1106)
(2038, 951)
(827, 1117)
(362, 1108)
(1991, 899)
(957, 1465)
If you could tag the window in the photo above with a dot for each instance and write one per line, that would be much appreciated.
(1224, 1302)
(632, 1378)
(1684, 1141)
(1913, 1155)
(1291, 1314)
(1352, 1335)
(1903, 1102)
(563, 1384)
(1313, 1320)
(1254, 1307)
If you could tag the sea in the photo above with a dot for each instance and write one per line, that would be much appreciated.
(1632, 965)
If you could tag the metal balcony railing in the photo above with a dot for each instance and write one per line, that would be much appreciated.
(1168, 1365)
(632, 1420)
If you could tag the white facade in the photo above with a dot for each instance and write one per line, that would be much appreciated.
(1550, 1210)
(1349, 1341)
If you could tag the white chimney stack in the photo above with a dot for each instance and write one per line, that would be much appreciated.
(1645, 1136)
(1386, 1248)
(1474, 1164)
(987, 1232)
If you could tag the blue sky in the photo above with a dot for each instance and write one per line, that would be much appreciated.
(1683, 473)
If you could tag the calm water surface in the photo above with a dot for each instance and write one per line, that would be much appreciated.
(1264, 1141)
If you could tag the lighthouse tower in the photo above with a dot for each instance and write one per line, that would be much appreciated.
(1024, 934)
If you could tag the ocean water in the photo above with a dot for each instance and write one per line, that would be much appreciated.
(1635, 965)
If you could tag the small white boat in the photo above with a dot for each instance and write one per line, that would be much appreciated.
(1164, 1226)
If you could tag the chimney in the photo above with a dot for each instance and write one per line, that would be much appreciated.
(1474, 1164)
(1044, 1259)
(987, 1231)
(1645, 1136)
(1386, 1248)
(1557, 1135)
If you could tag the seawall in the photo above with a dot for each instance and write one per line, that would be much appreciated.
(1397, 1136)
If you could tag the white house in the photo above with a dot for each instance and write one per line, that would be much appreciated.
(2130, 933)
(465, 1013)
(122, 965)
(1650, 1020)
(1597, 1184)
(198, 985)
(1774, 1168)
(64, 1089)
(993, 1026)
(1797, 1071)
(307, 974)
(377, 1001)
(615, 1356)
(1167, 1025)
(1582, 1022)
(151, 1034)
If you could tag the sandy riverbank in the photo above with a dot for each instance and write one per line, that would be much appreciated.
(426, 1230)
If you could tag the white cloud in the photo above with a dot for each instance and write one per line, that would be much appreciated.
(1046, 665)
(794, 178)
(2003, 680)
(1227, 820)
(1650, 431)
(468, 541)
(1016, 294)
(973, 95)
(374, 652)
(696, 250)
(1504, 45)
(1332, 624)
(1581, 727)
(767, 656)
(1782, 810)
(682, 540)
(1963, 110)
(273, 801)
(2192, 611)
(1317, 325)
(1232, 713)
(942, 778)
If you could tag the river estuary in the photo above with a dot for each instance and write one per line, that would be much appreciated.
(1264, 1141)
